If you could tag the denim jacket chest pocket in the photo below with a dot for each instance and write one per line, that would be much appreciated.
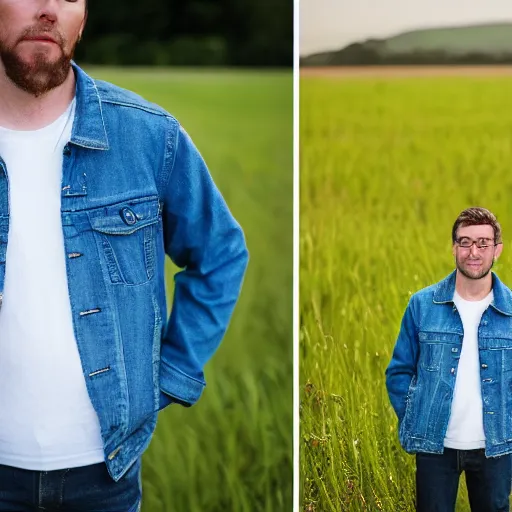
(497, 352)
(126, 235)
(436, 347)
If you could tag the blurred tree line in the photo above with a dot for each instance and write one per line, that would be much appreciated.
(370, 54)
(189, 32)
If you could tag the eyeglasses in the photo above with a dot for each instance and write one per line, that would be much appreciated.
(481, 243)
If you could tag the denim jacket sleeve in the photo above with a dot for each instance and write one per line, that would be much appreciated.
(201, 237)
(402, 367)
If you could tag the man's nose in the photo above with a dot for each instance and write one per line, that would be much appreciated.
(48, 10)
(474, 250)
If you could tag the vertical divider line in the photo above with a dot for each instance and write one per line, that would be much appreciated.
(296, 195)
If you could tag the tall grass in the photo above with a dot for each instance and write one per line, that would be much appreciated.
(386, 167)
(233, 449)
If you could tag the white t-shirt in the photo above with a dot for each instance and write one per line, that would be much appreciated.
(466, 427)
(47, 420)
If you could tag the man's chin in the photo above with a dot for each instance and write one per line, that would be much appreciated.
(40, 59)
(37, 74)
(474, 274)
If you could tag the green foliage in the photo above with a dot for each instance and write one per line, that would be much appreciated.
(191, 33)
(386, 166)
(123, 49)
(190, 51)
(233, 449)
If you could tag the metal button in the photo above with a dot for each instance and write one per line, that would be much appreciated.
(128, 216)
(452, 370)
(484, 366)
(67, 151)
(455, 349)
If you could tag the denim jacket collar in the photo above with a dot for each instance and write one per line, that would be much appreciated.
(89, 127)
(502, 297)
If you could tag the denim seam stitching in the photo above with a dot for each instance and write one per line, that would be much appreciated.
(61, 497)
(101, 112)
(177, 370)
(137, 106)
(171, 150)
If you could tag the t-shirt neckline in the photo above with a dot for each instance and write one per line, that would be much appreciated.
(9, 132)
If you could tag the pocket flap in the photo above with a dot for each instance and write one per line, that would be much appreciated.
(502, 343)
(439, 337)
(125, 218)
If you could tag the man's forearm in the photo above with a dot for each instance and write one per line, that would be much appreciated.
(202, 308)
(202, 237)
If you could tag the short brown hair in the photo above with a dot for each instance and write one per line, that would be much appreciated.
(476, 216)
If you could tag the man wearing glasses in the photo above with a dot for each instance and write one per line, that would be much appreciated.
(450, 376)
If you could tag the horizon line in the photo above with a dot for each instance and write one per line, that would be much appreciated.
(410, 31)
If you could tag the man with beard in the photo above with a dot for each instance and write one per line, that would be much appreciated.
(450, 375)
(97, 185)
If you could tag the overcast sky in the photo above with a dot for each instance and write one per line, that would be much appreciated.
(332, 24)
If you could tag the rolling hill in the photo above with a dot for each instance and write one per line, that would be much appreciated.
(448, 44)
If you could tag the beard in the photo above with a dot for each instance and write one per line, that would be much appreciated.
(479, 275)
(41, 74)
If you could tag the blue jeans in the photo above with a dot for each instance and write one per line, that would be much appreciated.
(488, 480)
(81, 489)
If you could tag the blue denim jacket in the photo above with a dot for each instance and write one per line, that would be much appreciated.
(421, 375)
(135, 188)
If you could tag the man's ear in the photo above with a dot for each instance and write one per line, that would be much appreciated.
(82, 28)
(497, 251)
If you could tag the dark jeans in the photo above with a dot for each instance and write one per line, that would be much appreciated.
(81, 489)
(488, 480)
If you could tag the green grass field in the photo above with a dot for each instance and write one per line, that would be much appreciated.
(387, 165)
(232, 451)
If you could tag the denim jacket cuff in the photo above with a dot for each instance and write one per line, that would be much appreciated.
(178, 385)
